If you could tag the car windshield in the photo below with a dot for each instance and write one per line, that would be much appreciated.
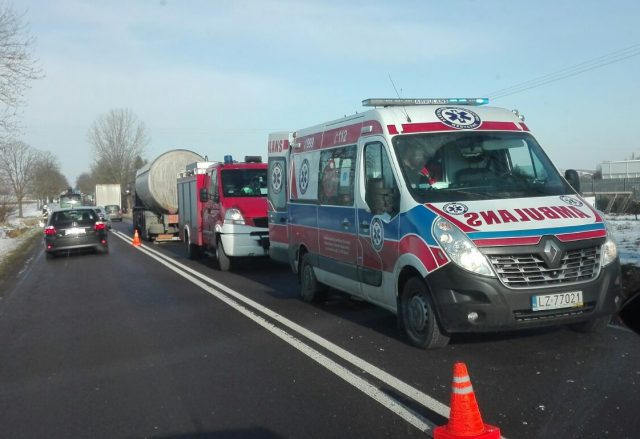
(79, 217)
(112, 209)
(476, 165)
(244, 182)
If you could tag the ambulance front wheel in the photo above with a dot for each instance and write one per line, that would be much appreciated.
(419, 317)
(310, 289)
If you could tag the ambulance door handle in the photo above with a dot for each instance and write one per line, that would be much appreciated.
(364, 226)
(346, 223)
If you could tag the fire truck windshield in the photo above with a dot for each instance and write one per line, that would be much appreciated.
(476, 165)
(244, 182)
(70, 199)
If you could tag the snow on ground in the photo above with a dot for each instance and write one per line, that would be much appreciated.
(30, 212)
(626, 232)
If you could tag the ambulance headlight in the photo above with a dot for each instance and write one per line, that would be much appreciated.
(233, 216)
(609, 251)
(460, 249)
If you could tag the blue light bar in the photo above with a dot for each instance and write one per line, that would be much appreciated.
(425, 101)
(228, 159)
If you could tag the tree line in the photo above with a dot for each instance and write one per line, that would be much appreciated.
(118, 137)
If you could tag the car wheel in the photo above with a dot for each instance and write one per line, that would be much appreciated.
(592, 326)
(419, 317)
(310, 289)
(50, 255)
(224, 261)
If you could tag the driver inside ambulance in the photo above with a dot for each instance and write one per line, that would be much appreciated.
(416, 169)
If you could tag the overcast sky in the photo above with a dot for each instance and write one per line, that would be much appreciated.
(218, 76)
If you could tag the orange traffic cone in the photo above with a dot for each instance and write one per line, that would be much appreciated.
(465, 421)
(136, 239)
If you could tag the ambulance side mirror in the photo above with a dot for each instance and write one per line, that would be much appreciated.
(574, 180)
(204, 195)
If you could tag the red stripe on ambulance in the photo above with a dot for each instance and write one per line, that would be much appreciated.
(462, 226)
(423, 127)
(278, 233)
(567, 237)
(501, 242)
(416, 245)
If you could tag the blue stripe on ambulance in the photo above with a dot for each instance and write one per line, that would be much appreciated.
(537, 232)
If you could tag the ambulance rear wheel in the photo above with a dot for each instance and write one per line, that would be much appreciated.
(310, 289)
(419, 317)
(224, 261)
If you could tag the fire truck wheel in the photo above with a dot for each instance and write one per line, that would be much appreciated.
(224, 261)
(310, 289)
(193, 251)
(418, 316)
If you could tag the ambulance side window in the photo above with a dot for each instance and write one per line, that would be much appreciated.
(337, 176)
(381, 189)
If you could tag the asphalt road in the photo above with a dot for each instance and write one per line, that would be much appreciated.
(145, 343)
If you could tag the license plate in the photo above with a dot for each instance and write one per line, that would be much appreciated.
(75, 231)
(570, 299)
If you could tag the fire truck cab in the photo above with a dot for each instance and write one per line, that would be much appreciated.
(223, 209)
(445, 212)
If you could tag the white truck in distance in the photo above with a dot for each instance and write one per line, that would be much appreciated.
(108, 194)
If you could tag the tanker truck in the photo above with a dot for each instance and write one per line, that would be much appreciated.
(155, 213)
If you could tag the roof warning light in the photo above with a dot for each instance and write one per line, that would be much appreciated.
(425, 101)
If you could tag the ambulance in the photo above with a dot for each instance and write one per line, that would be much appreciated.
(447, 213)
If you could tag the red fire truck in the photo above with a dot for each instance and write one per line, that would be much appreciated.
(223, 209)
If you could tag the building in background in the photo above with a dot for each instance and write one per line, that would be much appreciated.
(620, 169)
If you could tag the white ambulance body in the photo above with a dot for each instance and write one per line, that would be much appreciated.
(449, 215)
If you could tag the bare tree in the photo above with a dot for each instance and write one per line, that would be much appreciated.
(86, 183)
(118, 138)
(47, 181)
(7, 204)
(18, 67)
(16, 165)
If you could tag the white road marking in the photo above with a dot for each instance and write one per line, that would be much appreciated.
(399, 385)
(359, 383)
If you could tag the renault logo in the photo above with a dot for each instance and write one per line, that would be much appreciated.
(552, 253)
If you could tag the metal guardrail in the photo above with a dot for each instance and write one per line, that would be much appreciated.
(616, 194)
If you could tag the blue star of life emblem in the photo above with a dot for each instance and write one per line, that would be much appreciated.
(458, 118)
(376, 230)
(276, 178)
(303, 179)
(570, 200)
(455, 208)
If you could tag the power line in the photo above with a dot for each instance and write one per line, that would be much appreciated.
(601, 61)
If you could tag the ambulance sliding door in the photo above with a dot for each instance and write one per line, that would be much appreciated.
(377, 206)
(337, 234)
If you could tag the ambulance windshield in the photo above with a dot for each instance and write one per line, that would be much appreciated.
(476, 165)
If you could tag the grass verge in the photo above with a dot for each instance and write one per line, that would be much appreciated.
(13, 263)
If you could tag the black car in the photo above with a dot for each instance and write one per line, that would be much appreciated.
(75, 229)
